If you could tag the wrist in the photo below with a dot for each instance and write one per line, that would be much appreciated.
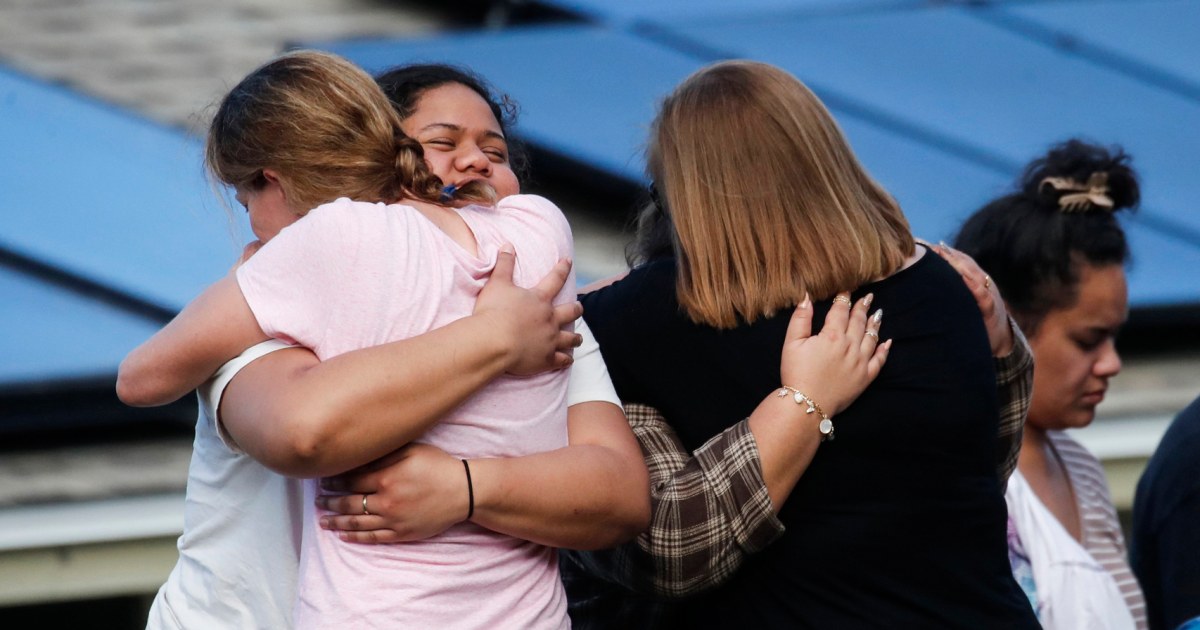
(470, 491)
(497, 342)
(811, 408)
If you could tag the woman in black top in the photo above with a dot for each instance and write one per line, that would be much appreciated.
(900, 521)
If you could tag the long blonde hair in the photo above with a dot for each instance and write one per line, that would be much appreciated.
(767, 198)
(325, 126)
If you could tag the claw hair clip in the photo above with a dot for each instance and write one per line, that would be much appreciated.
(1081, 197)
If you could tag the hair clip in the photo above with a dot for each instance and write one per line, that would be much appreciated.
(1082, 196)
(448, 192)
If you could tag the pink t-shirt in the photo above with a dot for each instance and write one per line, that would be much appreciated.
(351, 275)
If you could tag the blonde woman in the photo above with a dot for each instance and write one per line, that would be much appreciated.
(900, 520)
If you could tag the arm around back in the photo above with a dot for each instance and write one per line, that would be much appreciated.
(212, 329)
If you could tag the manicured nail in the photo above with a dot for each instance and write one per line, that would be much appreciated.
(507, 248)
(867, 300)
(807, 302)
(878, 316)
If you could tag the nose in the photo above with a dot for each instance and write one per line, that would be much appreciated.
(472, 158)
(1109, 363)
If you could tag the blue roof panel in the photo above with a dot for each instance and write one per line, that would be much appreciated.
(52, 333)
(1015, 96)
(678, 11)
(117, 200)
(1156, 39)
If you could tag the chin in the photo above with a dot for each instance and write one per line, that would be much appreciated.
(1080, 418)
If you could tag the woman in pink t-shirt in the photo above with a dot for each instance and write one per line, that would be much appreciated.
(359, 273)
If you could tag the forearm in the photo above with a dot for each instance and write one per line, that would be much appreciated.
(210, 330)
(787, 439)
(306, 418)
(1014, 391)
(591, 494)
(578, 497)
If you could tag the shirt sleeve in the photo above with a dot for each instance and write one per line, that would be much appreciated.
(1014, 390)
(211, 391)
(709, 511)
(589, 381)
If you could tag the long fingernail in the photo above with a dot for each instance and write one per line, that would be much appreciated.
(878, 316)
(807, 302)
(867, 300)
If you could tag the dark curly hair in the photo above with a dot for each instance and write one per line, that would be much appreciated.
(1032, 242)
(405, 84)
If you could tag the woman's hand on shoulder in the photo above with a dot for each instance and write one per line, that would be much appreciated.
(987, 296)
(834, 367)
(539, 335)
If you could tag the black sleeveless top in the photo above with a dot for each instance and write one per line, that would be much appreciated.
(899, 522)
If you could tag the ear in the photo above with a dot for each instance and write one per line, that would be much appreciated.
(272, 177)
(275, 185)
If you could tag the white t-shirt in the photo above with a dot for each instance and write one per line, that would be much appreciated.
(1074, 592)
(240, 549)
(241, 531)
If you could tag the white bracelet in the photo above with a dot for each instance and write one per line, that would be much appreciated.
(826, 424)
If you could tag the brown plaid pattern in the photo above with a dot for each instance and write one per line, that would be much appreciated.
(1014, 390)
(711, 510)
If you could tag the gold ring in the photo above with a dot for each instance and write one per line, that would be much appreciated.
(843, 299)
(366, 512)
(987, 281)
(873, 334)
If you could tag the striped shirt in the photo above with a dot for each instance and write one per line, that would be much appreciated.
(1101, 530)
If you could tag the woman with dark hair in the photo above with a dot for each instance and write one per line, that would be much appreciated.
(1057, 252)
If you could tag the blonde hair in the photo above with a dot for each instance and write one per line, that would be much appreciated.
(767, 198)
(325, 126)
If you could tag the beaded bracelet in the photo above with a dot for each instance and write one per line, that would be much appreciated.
(826, 424)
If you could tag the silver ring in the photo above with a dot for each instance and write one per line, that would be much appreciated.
(873, 334)
(843, 299)
(366, 512)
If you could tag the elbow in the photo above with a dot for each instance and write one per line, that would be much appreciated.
(136, 386)
(627, 518)
(305, 447)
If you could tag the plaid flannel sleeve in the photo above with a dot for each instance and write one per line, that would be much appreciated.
(709, 510)
(1014, 388)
